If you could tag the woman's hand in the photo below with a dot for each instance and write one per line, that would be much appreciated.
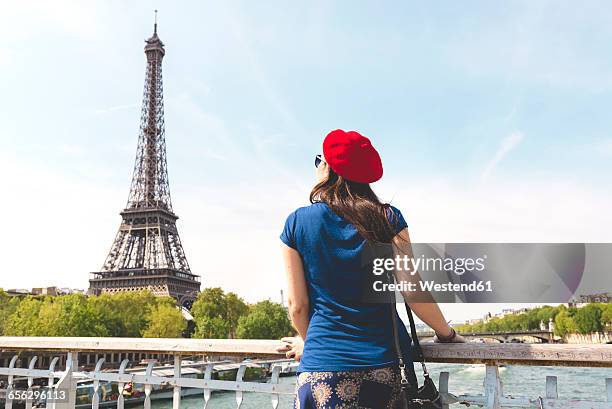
(452, 338)
(293, 348)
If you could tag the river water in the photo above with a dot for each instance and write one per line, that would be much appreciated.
(572, 383)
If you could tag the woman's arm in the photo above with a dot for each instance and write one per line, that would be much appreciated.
(297, 297)
(421, 303)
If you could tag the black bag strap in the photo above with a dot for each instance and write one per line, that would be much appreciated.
(398, 348)
(418, 352)
(413, 334)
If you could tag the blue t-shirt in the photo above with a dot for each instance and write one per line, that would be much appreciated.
(344, 333)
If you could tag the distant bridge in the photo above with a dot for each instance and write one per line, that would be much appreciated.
(533, 336)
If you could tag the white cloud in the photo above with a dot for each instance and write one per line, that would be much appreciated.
(541, 209)
(102, 111)
(508, 144)
(71, 149)
(7, 56)
(508, 211)
(61, 227)
(605, 147)
(239, 27)
(524, 45)
(30, 18)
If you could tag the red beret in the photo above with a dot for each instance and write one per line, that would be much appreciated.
(352, 156)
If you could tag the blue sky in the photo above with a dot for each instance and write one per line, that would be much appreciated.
(492, 120)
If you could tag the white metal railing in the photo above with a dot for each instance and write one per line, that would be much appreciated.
(492, 355)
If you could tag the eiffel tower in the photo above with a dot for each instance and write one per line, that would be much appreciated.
(147, 253)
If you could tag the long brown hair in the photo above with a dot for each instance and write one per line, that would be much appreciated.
(357, 203)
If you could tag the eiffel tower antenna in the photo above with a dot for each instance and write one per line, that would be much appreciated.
(147, 252)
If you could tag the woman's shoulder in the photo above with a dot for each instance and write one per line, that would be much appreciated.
(301, 220)
(313, 210)
(396, 218)
(393, 211)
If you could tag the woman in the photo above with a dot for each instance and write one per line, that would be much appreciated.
(348, 359)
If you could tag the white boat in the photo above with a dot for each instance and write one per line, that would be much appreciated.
(288, 368)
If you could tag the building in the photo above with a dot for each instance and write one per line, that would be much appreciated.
(147, 253)
(602, 297)
(51, 291)
(45, 291)
(585, 299)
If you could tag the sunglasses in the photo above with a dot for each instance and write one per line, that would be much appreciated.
(318, 160)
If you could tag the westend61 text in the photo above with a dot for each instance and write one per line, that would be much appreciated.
(459, 265)
(432, 286)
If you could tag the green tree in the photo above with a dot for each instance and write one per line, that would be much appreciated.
(70, 316)
(105, 311)
(547, 312)
(211, 327)
(591, 318)
(588, 319)
(236, 308)
(495, 325)
(123, 314)
(66, 315)
(606, 316)
(165, 321)
(216, 314)
(209, 312)
(265, 320)
(564, 322)
(24, 320)
(8, 305)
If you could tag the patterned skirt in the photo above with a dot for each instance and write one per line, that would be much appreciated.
(369, 388)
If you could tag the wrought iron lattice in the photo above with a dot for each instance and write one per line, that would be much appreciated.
(147, 252)
(150, 185)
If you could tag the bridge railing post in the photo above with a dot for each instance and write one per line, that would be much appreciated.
(492, 387)
(443, 387)
(65, 389)
(551, 387)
